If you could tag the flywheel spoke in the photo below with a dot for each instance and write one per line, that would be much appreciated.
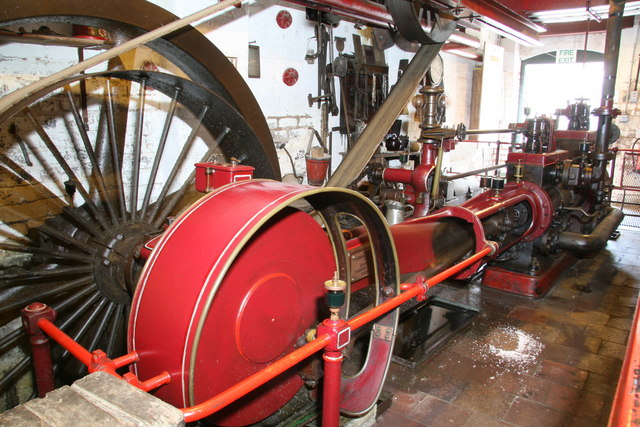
(101, 179)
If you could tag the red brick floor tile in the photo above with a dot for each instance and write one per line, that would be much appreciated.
(481, 420)
(485, 400)
(529, 387)
(563, 398)
(599, 384)
(602, 365)
(562, 374)
(393, 419)
(440, 385)
(593, 317)
(404, 402)
(562, 354)
(463, 368)
(435, 412)
(573, 421)
(607, 334)
(528, 314)
(623, 291)
(611, 349)
(526, 413)
(567, 334)
(592, 406)
(623, 323)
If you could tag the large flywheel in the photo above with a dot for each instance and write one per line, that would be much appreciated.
(94, 166)
(221, 299)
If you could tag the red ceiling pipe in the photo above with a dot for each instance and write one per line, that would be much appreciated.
(357, 9)
(373, 13)
(498, 12)
(530, 6)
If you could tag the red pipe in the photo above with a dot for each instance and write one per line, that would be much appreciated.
(332, 356)
(340, 334)
(373, 13)
(227, 397)
(127, 359)
(65, 341)
(216, 403)
(98, 360)
(416, 290)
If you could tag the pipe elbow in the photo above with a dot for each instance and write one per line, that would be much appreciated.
(596, 241)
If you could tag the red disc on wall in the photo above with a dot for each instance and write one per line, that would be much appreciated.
(290, 76)
(284, 19)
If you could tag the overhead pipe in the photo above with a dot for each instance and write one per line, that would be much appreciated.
(611, 54)
(375, 14)
(597, 240)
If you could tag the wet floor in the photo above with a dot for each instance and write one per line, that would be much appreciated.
(549, 362)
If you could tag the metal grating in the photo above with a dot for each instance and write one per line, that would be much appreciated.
(630, 177)
(629, 202)
(626, 196)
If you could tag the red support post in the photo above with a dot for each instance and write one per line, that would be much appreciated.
(340, 334)
(331, 388)
(40, 348)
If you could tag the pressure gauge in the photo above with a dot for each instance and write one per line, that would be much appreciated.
(435, 72)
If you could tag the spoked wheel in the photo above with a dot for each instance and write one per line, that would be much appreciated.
(250, 286)
(188, 51)
(81, 197)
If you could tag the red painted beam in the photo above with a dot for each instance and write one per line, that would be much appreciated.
(529, 6)
(503, 14)
(567, 28)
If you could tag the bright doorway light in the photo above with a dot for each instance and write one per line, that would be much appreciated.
(548, 87)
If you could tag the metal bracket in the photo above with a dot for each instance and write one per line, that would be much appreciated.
(383, 332)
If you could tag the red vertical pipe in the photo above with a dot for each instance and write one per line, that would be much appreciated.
(331, 388)
(40, 348)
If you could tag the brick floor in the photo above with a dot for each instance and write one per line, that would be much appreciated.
(580, 328)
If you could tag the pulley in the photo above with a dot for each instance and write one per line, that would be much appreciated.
(408, 15)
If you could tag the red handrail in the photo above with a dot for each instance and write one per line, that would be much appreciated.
(78, 351)
(625, 410)
(249, 384)
(98, 360)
